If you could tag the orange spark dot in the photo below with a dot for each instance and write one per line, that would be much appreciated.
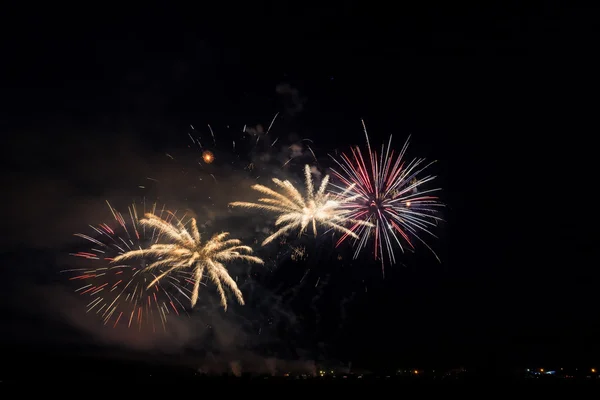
(208, 157)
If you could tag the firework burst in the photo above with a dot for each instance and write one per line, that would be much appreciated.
(187, 252)
(208, 157)
(386, 191)
(298, 212)
(119, 292)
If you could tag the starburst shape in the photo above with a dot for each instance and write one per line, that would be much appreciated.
(392, 193)
(299, 212)
(187, 251)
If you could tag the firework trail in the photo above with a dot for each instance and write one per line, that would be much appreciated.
(118, 292)
(385, 190)
(255, 150)
(297, 212)
(188, 252)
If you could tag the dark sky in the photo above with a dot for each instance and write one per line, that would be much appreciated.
(502, 97)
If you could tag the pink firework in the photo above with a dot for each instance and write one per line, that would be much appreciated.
(388, 193)
(119, 294)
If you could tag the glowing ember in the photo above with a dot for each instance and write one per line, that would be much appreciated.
(208, 157)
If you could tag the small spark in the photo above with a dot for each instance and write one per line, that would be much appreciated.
(313, 153)
(212, 134)
(274, 118)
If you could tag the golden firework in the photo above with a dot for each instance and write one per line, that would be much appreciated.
(208, 156)
(188, 252)
(296, 211)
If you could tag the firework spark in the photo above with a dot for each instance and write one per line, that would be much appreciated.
(119, 293)
(298, 253)
(188, 252)
(386, 191)
(208, 156)
(297, 212)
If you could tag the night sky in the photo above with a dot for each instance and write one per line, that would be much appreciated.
(502, 97)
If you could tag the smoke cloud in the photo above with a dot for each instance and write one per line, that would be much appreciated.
(54, 203)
